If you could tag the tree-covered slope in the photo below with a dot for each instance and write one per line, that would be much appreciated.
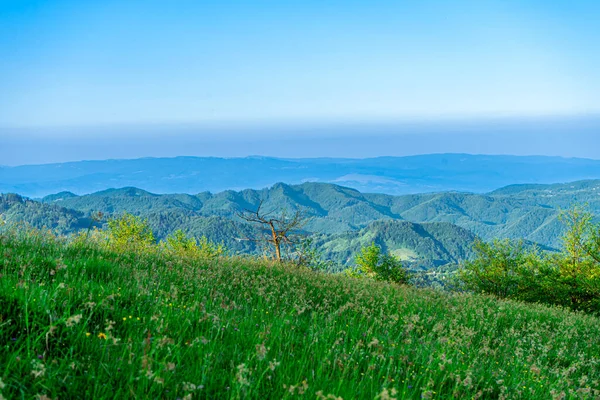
(419, 245)
(529, 212)
(15, 209)
(342, 218)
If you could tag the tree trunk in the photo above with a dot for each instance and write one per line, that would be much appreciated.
(276, 243)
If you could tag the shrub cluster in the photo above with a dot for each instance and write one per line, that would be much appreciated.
(373, 263)
(130, 233)
(570, 278)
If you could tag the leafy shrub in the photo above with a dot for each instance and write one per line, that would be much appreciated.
(504, 268)
(129, 232)
(179, 244)
(570, 278)
(371, 262)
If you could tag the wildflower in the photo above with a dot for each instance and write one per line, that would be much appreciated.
(467, 381)
(166, 341)
(558, 396)
(88, 334)
(38, 370)
(188, 387)
(109, 325)
(73, 320)
(89, 304)
(242, 375)
(428, 394)
(273, 364)
(301, 387)
(330, 396)
(261, 351)
(101, 336)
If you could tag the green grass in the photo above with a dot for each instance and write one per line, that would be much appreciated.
(82, 322)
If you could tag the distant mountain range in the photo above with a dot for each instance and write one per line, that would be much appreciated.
(389, 175)
(424, 229)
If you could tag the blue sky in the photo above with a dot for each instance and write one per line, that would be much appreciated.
(121, 63)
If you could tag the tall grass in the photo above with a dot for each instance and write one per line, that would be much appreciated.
(79, 321)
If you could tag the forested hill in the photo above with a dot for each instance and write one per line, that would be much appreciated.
(419, 245)
(391, 175)
(426, 245)
(529, 212)
(16, 209)
(427, 229)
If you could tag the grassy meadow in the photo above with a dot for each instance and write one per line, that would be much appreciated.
(80, 321)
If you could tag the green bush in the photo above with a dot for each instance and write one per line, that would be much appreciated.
(373, 263)
(129, 232)
(570, 278)
(179, 244)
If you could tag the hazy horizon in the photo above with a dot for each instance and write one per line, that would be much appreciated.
(563, 137)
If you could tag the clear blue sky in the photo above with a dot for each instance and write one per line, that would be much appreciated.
(80, 63)
(109, 62)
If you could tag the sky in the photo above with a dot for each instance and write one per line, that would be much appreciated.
(173, 73)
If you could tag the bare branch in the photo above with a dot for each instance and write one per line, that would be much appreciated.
(277, 230)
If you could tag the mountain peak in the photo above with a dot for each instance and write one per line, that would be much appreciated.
(58, 196)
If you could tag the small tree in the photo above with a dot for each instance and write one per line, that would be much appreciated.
(578, 277)
(503, 268)
(373, 263)
(277, 231)
(129, 232)
(179, 244)
(581, 242)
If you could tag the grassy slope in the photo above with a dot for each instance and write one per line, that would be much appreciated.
(246, 329)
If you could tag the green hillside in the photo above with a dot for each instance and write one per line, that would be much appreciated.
(420, 245)
(77, 321)
(16, 209)
(340, 219)
(528, 212)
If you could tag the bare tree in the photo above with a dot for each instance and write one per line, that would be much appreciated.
(277, 230)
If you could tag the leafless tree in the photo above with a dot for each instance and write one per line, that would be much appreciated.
(277, 230)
